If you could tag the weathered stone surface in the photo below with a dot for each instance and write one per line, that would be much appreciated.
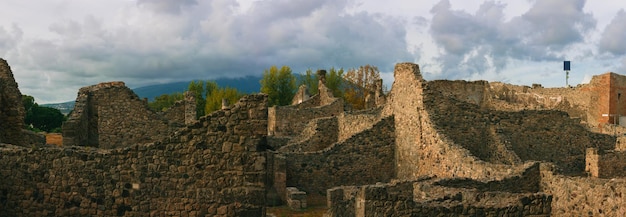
(185, 173)
(110, 115)
(11, 109)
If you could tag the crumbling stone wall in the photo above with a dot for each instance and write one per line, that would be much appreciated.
(421, 149)
(11, 109)
(12, 112)
(516, 196)
(516, 136)
(290, 120)
(110, 115)
(605, 164)
(183, 112)
(361, 159)
(211, 168)
(581, 196)
(353, 122)
(317, 135)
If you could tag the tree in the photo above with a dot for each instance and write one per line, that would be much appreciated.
(359, 83)
(311, 80)
(197, 88)
(279, 85)
(214, 100)
(335, 82)
(42, 118)
(165, 101)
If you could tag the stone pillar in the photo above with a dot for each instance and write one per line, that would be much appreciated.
(224, 104)
(190, 107)
(591, 162)
(321, 74)
(380, 97)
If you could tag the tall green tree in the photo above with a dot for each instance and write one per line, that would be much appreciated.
(197, 88)
(335, 82)
(42, 118)
(279, 85)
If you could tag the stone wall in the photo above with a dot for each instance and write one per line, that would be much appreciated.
(580, 196)
(11, 108)
(605, 164)
(353, 122)
(364, 158)
(291, 120)
(421, 149)
(110, 115)
(511, 137)
(183, 112)
(211, 168)
(514, 196)
(317, 135)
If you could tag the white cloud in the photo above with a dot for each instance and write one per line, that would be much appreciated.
(614, 37)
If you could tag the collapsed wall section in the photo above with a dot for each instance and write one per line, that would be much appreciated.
(512, 137)
(583, 196)
(110, 115)
(605, 164)
(291, 120)
(362, 159)
(211, 168)
(514, 196)
(11, 110)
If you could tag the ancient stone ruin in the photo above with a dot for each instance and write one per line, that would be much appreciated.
(12, 112)
(110, 115)
(427, 148)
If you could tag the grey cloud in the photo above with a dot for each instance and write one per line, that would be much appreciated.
(209, 40)
(541, 34)
(167, 6)
(614, 36)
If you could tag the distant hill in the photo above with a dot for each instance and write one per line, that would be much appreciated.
(248, 84)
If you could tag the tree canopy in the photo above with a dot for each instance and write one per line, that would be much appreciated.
(208, 97)
(359, 83)
(41, 118)
(279, 85)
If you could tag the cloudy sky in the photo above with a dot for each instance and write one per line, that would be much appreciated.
(57, 46)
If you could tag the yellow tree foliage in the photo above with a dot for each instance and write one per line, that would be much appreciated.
(214, 99)
(279, 85)
(358, 84)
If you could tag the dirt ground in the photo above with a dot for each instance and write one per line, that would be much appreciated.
(55, 139)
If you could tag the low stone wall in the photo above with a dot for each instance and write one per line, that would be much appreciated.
(362, 159)
(211, 168)
(351, 123)
(605, 164)
(581, 196)
(317, 135)
(291, 120)
(516, 196)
